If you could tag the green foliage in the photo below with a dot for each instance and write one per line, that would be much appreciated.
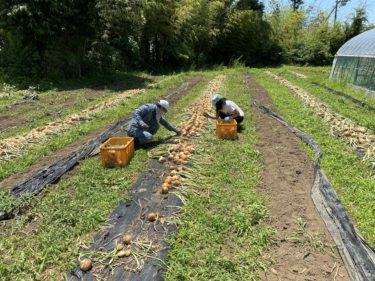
(69, 39)
(296, 4)
(358, 23)
(44, 36)
(64, 39)
(245, 35)
(310, 40)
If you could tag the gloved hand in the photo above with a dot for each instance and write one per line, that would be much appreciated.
(226, 119)
(145, 126)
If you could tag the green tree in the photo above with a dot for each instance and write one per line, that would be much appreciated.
(357, 25)
(296, 4)
(246, 36)
(254, 5)
(119, 32)
(40, 30)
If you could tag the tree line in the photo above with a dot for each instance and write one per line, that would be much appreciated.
(74, 38)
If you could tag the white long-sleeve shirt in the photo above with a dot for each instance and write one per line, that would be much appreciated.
(230, 107)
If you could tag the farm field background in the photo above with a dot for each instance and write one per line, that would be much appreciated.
(224, 229)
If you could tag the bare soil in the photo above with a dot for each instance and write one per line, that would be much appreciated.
(302, 249)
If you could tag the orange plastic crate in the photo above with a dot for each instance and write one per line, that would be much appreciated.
(117, 151)
(226, 130)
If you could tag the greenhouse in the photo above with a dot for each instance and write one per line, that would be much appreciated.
(354, 62)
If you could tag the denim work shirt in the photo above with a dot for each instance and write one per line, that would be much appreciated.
(145, 116)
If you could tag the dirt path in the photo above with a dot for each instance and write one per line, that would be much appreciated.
(302, 249)
(172, 95)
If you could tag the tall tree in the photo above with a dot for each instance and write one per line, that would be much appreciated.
(37, 28)
(254, 5)
(296, 4)
(160, 32)
(358, 23)
(119, 32)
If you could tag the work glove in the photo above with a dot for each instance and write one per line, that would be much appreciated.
(145, 126)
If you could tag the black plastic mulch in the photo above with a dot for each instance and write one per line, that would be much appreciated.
(38, 181)
(130, 217)
(342, 94)
(42, 178)
(358, 256)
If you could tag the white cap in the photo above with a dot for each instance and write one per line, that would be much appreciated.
(164, 104)
(215, 99)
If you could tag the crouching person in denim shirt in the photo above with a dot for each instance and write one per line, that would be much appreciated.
(146, 119)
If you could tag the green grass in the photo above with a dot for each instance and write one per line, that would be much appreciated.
(361, 115)
(10, 94)
(221, 236)
(350, 177)
(102, 120)
(321, 75)
(45, 242)
(54, 229)
(41, 114)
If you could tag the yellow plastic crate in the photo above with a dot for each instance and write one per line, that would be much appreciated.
(117, 151)
(226, 130)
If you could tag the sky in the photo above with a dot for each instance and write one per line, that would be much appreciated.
(343, 13)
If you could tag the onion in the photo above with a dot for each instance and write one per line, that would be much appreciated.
(164, 189)
(347, 133)
(151, 216)
(176, 177)
(85, 264)
(162, 159)
(119, 246)
(174, 172)
(124, 253)
(180, 168)
(127, 239)
(176, 182)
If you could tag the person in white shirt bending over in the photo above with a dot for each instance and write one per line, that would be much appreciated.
(226, 109)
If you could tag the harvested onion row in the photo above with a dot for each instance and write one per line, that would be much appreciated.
(126, 252)
(299, 75)
(12, 147)
(179, 153)
(359, 138)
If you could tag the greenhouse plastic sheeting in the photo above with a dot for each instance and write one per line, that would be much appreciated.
(362, 45)
(354, 62)
(130, 218)
(359, 71)
(358, 256)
